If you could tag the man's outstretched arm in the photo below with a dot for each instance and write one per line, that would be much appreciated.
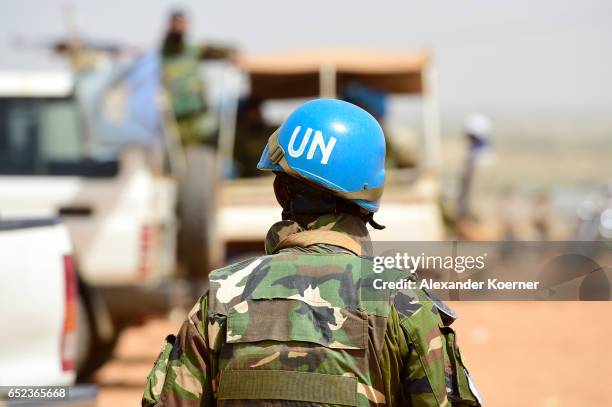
(216, 52)
(181, 375)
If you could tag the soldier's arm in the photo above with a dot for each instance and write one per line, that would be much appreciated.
(181, 375)
(434, 373)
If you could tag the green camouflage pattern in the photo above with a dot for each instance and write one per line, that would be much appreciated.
(183, 81)
(199, 129)
(311, 312)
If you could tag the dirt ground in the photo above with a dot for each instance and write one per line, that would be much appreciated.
(519, 354)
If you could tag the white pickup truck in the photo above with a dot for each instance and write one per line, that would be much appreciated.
(38, 298)
(119, 210)
(40, 318)
(40, 310)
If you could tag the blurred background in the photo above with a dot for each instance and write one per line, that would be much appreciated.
(129, 133)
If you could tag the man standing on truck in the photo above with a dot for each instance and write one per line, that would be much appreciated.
(183, 81)
(294, 327)
(198, 130)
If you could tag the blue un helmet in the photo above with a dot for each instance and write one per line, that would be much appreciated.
(333, 144)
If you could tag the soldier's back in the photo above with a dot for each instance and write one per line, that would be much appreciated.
(309, 327)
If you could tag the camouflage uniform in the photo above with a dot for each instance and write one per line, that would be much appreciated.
(302, 326)
(183, 81)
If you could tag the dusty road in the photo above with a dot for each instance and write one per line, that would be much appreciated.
(519, 354)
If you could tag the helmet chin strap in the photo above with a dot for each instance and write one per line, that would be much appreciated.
(373, 223)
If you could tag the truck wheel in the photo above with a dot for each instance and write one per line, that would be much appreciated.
(96, 338)
(100, 354)
(196, 208)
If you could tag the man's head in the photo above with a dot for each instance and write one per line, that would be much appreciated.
(329, 156)
(177, 23)
(478, 128)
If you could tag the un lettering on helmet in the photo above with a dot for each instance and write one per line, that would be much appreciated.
(318, 141)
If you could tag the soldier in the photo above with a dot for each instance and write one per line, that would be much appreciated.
(198, 131)
(183, 81)
(302, 326)
(252, 132)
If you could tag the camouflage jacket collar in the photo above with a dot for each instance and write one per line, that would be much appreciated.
(348, 225)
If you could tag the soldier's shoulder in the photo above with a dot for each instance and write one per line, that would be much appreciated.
(250, 264)
(315, 278)
(409, 302)
(286, 260)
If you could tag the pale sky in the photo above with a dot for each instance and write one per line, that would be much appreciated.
(551, 57)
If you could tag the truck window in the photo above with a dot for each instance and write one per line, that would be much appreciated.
(45, 137)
